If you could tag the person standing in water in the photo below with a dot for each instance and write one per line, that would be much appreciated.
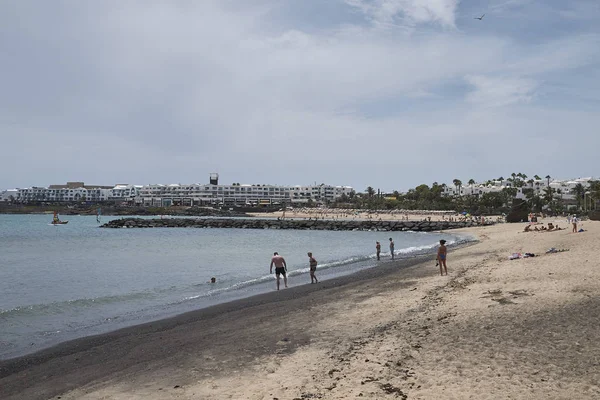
(441, 257)
(313, 268)
(280, 268)
(392, 248)
(378, 249)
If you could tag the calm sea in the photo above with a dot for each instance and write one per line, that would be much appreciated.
(63, 282)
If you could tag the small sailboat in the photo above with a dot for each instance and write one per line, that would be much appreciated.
(57, 221)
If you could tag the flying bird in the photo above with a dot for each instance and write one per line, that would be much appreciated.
(480, 18)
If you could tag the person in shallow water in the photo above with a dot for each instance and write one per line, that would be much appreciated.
(392, 248)
(313, 268)
(378, 249)
(280, 268)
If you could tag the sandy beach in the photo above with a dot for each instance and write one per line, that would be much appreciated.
(493, 329)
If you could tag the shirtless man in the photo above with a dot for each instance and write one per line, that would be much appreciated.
(378, 249)
(280, 268)
(441, 256)
(313, 268)
(392, 248)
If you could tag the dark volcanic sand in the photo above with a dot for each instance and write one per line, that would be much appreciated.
(233, 334)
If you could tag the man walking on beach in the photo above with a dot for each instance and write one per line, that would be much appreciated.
(392, 248)
(574, 221)
(441, 256)
(378, 249)
(280, 268)
(313, 267)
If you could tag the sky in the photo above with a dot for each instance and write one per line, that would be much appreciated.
(383, 93)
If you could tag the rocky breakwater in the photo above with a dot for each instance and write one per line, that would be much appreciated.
(255, 223)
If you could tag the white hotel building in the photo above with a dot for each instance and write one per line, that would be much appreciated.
(180, 194)
(75, 192)
(242, 194)
(563, 187)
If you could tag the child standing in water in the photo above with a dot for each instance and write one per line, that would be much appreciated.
(441, 257)
(313, 268)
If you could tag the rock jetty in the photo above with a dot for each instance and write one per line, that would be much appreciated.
(255, 223)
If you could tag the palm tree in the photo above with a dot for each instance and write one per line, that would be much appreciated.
(370, 191)
(458, 184)
(471, 183)
(548, 180)
(536, 177)
(579, 192)
(501, 179)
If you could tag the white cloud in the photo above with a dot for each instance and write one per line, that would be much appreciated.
(497, 92)
(182, 91)
(409, 12)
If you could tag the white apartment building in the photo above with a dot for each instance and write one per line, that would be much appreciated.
(77, 192)
(563, 187)
(237, 194)
(184, 194)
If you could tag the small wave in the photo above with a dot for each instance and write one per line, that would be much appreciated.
(69, 305)
(404, 252)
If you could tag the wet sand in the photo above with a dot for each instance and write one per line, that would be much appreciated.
(493, 328)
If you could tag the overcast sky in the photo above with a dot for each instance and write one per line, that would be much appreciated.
(386, 93)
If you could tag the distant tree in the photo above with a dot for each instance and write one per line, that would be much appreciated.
(458, 184)
(548, 179)
(370, 191)
(579, 192)
(536, 177)
(548, 194)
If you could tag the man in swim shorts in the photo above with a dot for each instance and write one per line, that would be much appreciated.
(280, 268)
(441, 256)
(392, 248)
(378, 249)
(313, 267)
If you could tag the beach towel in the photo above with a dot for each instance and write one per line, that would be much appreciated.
(553, 250)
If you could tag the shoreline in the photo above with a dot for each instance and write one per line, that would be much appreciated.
(62, 354)
(22, 342)
(493, 328)
(382, 268)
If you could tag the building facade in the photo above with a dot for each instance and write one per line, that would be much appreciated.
(160, 195)
(565, 188)
(238, 194)
(77, 192)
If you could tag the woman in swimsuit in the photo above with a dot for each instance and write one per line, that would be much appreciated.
(313, 267)
(441, 256)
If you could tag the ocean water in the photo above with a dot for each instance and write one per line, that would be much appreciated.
(63, 282)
